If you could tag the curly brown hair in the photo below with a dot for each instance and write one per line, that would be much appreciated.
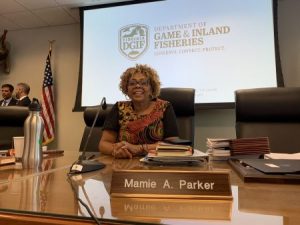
(150, 74)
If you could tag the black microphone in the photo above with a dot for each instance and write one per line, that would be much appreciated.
(83, 165)
(103, 104)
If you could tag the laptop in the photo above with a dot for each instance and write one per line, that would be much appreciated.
(274, 166)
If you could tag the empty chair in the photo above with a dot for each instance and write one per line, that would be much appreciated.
(183, 102)
(12, 120)
(272, 113)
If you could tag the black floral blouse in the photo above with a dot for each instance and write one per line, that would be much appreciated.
(159, 124)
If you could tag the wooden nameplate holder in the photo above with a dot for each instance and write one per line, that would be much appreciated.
(171, 184)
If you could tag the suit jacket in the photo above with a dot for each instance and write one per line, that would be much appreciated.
(13, 101)
(24, 102)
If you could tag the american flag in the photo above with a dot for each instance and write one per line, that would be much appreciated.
(48, 113)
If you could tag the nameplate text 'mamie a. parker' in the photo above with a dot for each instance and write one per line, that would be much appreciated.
(171, 184)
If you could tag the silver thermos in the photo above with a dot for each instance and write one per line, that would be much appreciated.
(33, 137)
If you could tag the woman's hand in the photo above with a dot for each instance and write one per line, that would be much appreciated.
(120, 151)
(135, 150)
(125, 149)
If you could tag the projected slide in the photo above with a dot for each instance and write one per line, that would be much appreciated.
(214, 46)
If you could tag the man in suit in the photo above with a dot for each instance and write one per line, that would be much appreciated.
(7, 91)
(22, 92)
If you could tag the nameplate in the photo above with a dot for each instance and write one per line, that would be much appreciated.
(171, 184)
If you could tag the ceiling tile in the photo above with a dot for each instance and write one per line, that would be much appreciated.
(54, 16)
(37, 4)
(74, 12)
(7, 24)
(9, 6)
(25, 19)
(22, 14)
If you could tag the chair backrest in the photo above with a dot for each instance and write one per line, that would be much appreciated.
(270, 112)
(12, 120)
(183, 102)
(89, 116)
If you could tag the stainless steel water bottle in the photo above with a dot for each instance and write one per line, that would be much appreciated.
(33, 137)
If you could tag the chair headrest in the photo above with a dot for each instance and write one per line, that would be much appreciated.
(268, 104)
(13, 115)
(182, 100)
(90, 113)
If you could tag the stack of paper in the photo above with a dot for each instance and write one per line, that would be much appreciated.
(294, 156)
(196, 158)
(250, 146)
(218, 148)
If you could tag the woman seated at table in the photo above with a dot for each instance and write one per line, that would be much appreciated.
(134, 127)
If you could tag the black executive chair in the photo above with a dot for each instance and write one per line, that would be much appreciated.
(12, 120)
(270, 112)
(89, 116)
(183, 102)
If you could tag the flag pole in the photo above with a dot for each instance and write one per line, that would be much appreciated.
(48, 109)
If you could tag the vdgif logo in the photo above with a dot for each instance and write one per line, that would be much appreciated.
(133, 40)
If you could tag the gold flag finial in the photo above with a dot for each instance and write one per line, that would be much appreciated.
(50, 44)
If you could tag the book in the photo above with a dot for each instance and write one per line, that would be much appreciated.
(218, 148)
(218, 142)
(250, 146)
(164, 145)
(220, 152)
(179, 141)
(4, 160)
(225, 148)
(166, 149)
(174, 153)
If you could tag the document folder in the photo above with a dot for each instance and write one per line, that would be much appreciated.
(250, 174)
(274, 166)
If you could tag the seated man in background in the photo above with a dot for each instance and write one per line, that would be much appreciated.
(22, 92)
(7, 91)
(134, 127)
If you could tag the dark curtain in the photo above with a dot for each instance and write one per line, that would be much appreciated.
(280, 81)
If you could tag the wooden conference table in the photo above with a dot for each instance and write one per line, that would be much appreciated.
(46, 197)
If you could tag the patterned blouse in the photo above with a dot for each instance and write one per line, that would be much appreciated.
(159, 124)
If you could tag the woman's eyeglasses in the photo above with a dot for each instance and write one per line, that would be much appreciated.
(142, 83)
